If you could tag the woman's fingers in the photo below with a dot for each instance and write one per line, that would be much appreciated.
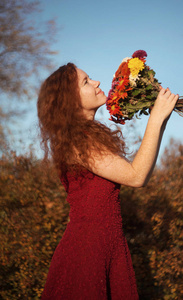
(167, 94)
(174, 97)
(162, 91)
(164, 103)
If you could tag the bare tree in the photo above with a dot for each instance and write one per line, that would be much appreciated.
(25, 50)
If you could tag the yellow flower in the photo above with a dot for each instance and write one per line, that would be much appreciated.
(135, 65)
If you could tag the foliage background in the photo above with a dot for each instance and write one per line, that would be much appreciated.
(34, 213)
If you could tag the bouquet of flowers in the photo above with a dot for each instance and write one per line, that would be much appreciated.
(134, 89)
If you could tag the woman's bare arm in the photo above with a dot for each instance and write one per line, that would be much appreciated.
(137, 173)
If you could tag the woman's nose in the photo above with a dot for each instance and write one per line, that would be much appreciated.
(96, 83)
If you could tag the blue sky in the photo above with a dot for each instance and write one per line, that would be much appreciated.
(97, 35)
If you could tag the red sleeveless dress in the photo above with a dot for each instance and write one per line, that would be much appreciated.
(92, 261)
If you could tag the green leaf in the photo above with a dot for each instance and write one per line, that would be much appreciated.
(151, 73)
(135, 92)
(149, 97)
(149, 87)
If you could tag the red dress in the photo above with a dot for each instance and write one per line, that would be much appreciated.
(92, 261)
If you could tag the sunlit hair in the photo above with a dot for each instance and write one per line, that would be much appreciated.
(66, 133)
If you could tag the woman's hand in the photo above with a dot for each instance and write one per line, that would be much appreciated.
(164, 104)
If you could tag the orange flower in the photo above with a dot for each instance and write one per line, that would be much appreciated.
(124, 95)
(115, 110)
(143, 59)
(122, 84)
(116, 96)
(123, 70)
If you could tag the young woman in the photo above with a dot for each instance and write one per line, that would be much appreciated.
(92, 261)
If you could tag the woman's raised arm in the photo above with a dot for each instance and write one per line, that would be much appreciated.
(137, 173)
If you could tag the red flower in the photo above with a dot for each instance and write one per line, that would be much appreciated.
(140, 54)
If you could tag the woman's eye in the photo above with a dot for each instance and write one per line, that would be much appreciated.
(87, 80)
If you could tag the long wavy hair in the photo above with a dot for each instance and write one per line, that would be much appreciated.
(66, 134)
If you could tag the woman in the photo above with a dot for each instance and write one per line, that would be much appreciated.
(92, 261)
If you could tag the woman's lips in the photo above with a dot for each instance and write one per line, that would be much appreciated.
(100, 92)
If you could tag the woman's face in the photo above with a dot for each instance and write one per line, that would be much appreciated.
(92, 97)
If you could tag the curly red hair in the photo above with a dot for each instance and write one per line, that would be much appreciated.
(65, 131)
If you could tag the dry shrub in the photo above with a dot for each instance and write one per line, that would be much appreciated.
(34, 215)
